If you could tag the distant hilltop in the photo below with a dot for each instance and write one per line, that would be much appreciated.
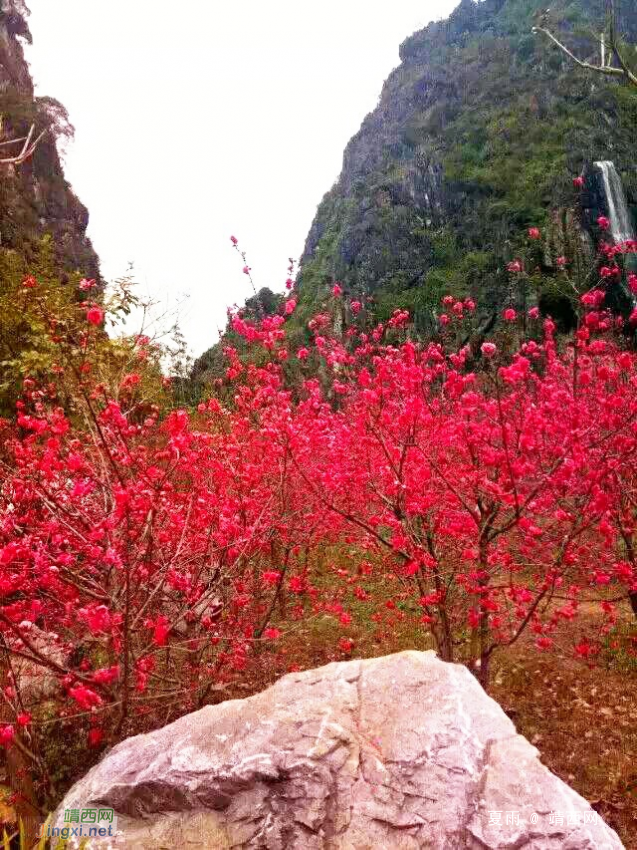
(477, 137)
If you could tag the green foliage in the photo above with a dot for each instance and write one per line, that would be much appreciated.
(620, 648)
(43, 327)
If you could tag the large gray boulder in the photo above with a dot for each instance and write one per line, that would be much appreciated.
(404, 751)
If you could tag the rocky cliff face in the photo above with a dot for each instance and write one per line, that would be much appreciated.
(35, 198)
(394, 753)
(477, 136)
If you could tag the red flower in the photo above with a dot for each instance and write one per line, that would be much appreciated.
(97, 617)
(336, 290)
(296, 584)
(290, 306)
(85, 697)
(106, 675)
(161, 631)
(271, 576)
(534, 313)
(593, 298)
(611, 271)
(95, 316)
(29, 282)
(7, 734)
(534, 233)
(584, 649)
(234, 240)
(272, 634)
(131, 380)
(95, 737)
(488, 349)
(24, 719)
(474, 617)
(509, 315)
(515, 266)
(603, 222)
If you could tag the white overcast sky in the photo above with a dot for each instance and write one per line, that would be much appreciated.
(199, 119)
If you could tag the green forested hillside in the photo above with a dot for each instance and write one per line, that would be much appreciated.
(477, 136)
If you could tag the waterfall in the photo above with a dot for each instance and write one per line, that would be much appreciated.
(621, 224)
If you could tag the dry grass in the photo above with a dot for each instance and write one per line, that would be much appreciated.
(583, 720)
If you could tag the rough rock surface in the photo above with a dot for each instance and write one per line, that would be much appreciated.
(401, 752)
(35, 198)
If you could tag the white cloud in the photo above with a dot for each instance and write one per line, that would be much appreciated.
(201, 119)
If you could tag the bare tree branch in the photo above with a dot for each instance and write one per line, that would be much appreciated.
(614, 51)
(28, 148)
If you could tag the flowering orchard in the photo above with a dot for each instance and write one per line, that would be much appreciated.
(149, 557)
(493, 497)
